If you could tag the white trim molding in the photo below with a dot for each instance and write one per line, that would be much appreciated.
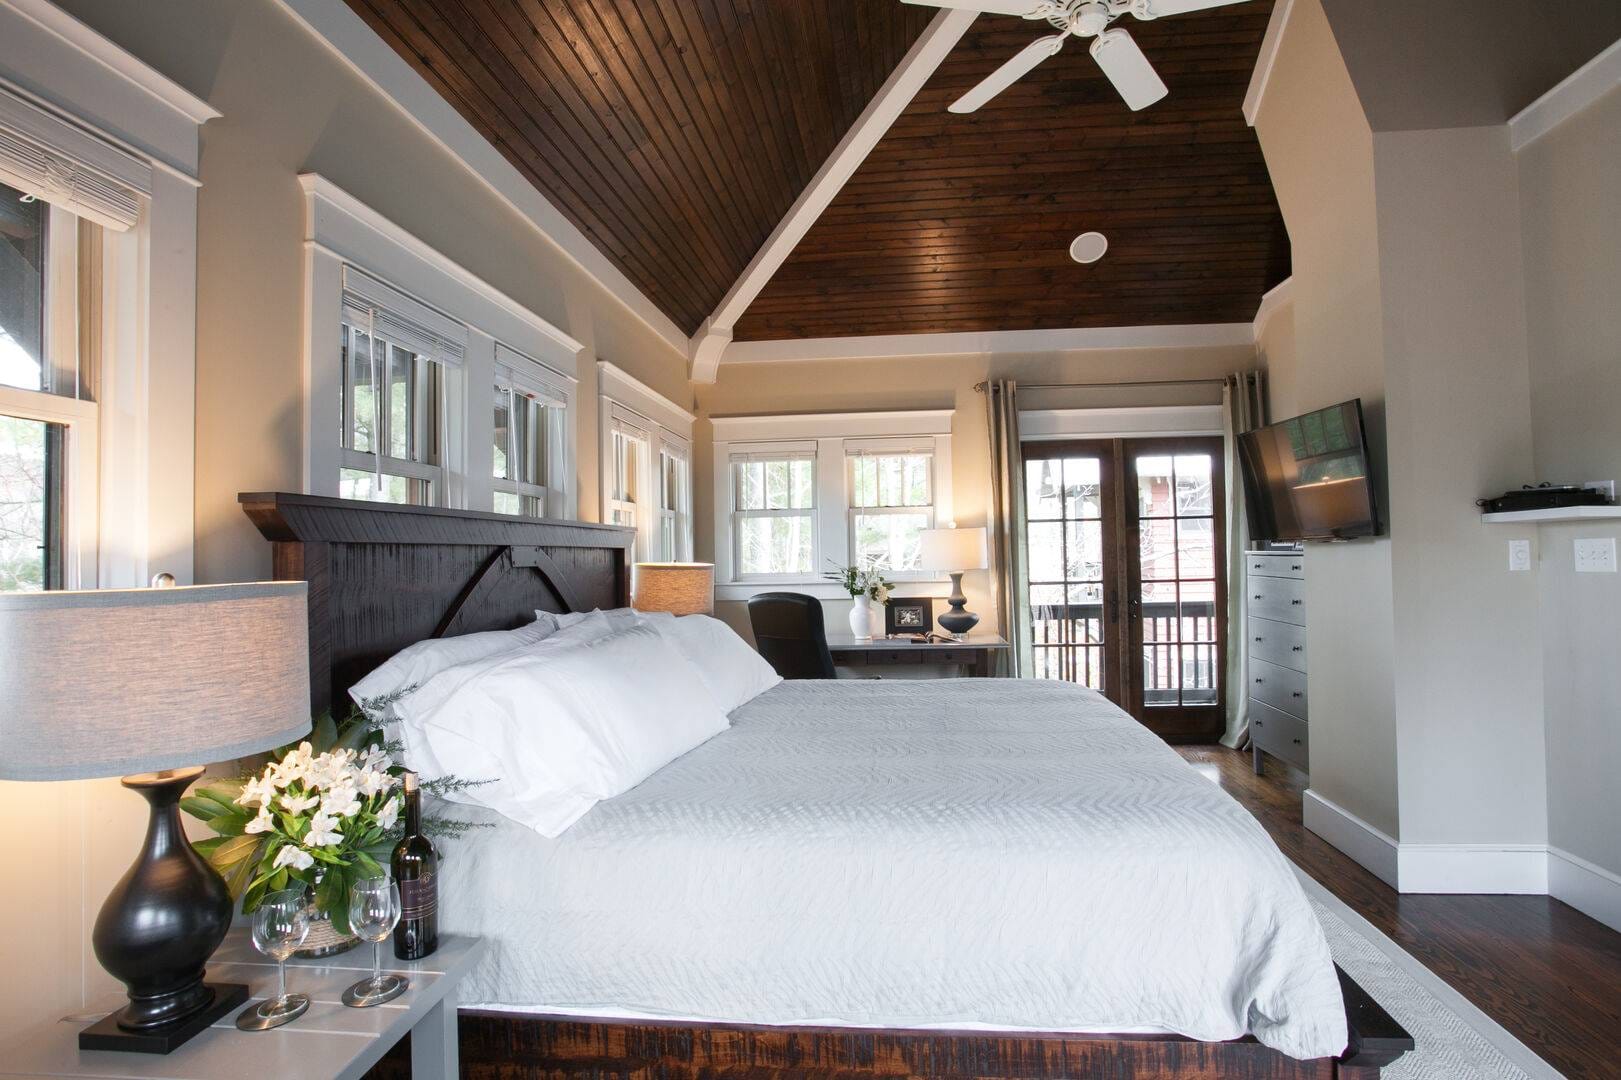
(985, 343)
(615, 382)
(1037, 425)
(1574, 95)
(1268, 59)
(856, 425)
(920, 61)
(1370, 846)
(369, 56)
(1585, 886)
(1472, 868)
(1276, 299)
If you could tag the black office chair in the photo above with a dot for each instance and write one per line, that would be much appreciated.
(790, 634)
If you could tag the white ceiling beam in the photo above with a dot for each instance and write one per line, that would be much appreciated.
(711, 340)
(993, 342)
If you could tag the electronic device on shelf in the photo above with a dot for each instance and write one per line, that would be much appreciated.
(1543, 497)
(1308, 477)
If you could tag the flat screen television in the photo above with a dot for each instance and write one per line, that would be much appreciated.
(1307, 478)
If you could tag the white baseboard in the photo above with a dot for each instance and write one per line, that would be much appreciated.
(1588, 888)
(1472, 868)
(1364, 843)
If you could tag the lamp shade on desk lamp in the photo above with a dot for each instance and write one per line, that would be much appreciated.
(955, 551)
(152, 684)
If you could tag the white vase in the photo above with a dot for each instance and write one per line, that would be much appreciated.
(861, 617)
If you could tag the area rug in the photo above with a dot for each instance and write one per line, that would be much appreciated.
(1454, 1039)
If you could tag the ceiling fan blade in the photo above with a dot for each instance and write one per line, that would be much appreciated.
(1159, 9)
(1124, 63)
(1022, 63)
(987, 7)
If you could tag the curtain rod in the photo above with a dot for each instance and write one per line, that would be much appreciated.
(979, 387)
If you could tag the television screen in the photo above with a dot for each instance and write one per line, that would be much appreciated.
(1307, 477)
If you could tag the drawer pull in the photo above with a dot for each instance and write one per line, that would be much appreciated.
(1257, 723)
(1257, 641)
(1257, 596)
(1292, 648)
(1296, 694)
(1297, 742)
(1294, 603)
(1295, 566)
(1259, 680)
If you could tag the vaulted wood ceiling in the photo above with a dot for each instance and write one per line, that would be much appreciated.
(676, 134)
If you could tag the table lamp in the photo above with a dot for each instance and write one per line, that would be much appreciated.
(679, 588)
(150, 684)
(955, 551)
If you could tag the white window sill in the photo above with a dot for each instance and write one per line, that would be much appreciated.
(823, 590)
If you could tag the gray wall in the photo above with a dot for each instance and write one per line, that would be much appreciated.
(1570, 200)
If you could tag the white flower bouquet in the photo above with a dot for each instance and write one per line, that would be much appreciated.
(861, 581)
(321, 818)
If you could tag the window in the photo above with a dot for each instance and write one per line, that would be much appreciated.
(393, 356)
(625, 480)
(891, 503)
(47, 420)
(529, 429)
(774, 515)
(673, 539)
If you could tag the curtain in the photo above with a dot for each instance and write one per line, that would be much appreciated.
(1244, 406)
(1010, 578)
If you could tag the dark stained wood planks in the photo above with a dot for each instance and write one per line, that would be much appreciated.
(674, 133)
(962, 223)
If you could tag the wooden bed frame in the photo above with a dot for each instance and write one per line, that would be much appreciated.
(382, 577)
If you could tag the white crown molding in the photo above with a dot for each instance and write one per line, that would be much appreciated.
(888, 346)
(348, 36)
(1582, 89)
(1270, 44)
(325, 199)
(920, 61)
(1372, 847)
(609, 373)
(1276, 299)
(1585, 886)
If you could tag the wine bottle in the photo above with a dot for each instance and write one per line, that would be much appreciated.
(416, 871)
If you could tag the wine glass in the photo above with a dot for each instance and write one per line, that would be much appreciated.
(279, 927)
(374, 909)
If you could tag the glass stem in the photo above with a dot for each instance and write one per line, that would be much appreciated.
(281, 982)
(377, 963)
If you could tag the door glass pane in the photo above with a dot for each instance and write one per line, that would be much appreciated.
(1083, 551)
(1046, 541)
(1195, 548)
(30, 494)
(1193, 485)
(22, 291)
(1043, 489)
(1082, 477)
(1158, 554)
(1066, 568)
(1154, 485)
(1176, 501)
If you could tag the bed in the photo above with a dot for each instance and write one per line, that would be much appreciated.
(981, 878)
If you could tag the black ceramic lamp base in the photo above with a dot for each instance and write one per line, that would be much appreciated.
(157, 929)
(958, 621)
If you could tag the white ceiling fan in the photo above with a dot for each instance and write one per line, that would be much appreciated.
(1114, 50)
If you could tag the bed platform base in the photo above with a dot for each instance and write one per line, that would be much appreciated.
(519, 1046)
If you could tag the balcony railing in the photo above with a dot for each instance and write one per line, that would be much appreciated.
(1179, 649)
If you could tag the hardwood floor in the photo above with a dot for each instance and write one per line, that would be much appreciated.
(1545, 971)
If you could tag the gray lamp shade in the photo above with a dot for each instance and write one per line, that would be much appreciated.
(110, 682)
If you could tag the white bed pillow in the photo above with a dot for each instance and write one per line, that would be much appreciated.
(622, 618)
(416, 664)
(559, 728)
(734, 672)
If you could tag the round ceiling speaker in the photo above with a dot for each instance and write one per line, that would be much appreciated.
(1088, 247)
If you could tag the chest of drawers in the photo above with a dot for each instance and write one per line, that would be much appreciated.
(1275, 606)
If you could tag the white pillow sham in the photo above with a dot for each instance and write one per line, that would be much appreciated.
(416, 664)
(558, 728)
(734, 672)
(622, 618)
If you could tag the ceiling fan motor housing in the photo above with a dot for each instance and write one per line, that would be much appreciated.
(1089, 18)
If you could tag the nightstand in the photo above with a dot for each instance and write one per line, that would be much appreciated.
(331, 1040)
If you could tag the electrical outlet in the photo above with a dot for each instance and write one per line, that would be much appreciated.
(1519, 555)
(1606, 486)
(1596, 556)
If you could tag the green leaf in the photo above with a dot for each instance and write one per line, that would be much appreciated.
(205, 809)
(234, 857)
(323, 734)
(332, 897)
(368, 864)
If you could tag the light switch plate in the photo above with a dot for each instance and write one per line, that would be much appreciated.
(1595, 556)
(1519, 555)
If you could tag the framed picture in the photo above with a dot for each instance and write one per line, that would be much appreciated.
(909, 615)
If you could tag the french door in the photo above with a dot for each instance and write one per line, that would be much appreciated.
(1127, 584)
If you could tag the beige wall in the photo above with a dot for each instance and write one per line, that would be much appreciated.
(291, 106)
(1319, 150)
(943, 382)
(1570, 205)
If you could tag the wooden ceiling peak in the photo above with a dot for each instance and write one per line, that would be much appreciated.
(674, 133)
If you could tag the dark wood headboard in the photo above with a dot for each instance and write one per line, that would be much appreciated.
(383, 577)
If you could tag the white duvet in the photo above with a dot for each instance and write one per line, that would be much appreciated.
(951, 854)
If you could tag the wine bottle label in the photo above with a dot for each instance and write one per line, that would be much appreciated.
(419, 898)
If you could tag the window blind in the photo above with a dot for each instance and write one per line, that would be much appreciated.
(53, 159)
(402, 319)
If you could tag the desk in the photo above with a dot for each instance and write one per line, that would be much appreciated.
(330, 1040)
(977, 655)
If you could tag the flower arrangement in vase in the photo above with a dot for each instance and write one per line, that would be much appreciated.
(866, 585)
(319, 816)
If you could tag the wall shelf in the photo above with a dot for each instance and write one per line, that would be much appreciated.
(1554, 514)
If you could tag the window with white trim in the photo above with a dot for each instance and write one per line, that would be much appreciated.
(890, 502)
(529, 437)
(672, 541)
(49, 333)
(627, 483)
(394, 355)
(774, 514)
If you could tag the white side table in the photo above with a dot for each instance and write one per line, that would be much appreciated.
(331, 1040)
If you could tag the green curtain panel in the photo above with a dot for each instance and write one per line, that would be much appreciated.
(1010, 578)
(1244, 405)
